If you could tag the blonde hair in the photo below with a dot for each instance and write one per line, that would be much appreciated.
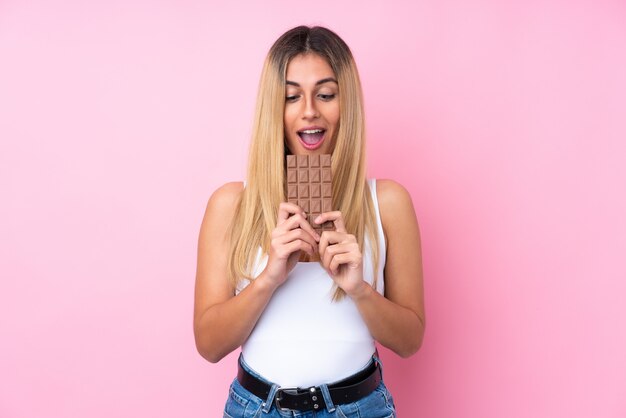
(255, 215)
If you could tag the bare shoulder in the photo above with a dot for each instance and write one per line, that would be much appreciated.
(226, 196)
(219, 211)
(395, 204)
(387, 189)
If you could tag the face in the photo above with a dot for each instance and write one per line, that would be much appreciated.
(311, 106)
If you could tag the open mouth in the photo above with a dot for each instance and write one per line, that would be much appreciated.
(311, 138)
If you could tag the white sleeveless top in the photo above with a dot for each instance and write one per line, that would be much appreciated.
(304, 339)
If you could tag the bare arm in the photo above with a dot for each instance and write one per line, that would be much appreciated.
(223, 321)
(396, 320)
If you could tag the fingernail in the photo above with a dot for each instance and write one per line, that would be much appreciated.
(318, 219)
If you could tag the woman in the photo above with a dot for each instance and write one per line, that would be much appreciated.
(305, 307)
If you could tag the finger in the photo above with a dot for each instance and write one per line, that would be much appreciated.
(341, 259)
(327, 255)
(285, 210)
(323, 244)
(304, 224)
(296, 234)
(334, 237)
(299, 221)
(329, 252)
(335, 217)
(293, 222)
(299, 245)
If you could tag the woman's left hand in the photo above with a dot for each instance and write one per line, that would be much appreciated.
(340, 255)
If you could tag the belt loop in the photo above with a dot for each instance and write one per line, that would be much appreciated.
(377, 360)
(327, 399)
(267, 405)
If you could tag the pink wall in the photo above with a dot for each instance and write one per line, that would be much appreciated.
(507, 123)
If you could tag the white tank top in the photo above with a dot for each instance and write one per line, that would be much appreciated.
(304, 339)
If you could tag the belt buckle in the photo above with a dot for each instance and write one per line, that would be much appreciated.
(278, 398)
(312, 392)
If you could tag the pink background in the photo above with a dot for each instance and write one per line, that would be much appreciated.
(506, 122)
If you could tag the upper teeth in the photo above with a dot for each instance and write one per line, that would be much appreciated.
(311, 131)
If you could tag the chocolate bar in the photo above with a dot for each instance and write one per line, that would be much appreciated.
(309, 185)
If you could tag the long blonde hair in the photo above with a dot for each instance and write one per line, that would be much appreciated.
(255, 215)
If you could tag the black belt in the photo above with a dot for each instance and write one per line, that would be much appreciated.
(348, 390)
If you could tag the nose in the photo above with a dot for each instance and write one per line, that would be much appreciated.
(310, 110)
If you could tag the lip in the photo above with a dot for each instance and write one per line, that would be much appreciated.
(309, 128)
(314, 146)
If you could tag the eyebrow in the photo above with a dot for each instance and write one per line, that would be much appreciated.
(322, 81)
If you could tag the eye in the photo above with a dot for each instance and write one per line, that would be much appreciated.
(326, 97)
(291, 98)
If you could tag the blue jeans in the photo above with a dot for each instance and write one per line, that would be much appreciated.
(243, 404)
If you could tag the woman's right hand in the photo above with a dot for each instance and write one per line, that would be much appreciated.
(292, 234)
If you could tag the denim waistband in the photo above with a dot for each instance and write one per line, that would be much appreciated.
(267, 404)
